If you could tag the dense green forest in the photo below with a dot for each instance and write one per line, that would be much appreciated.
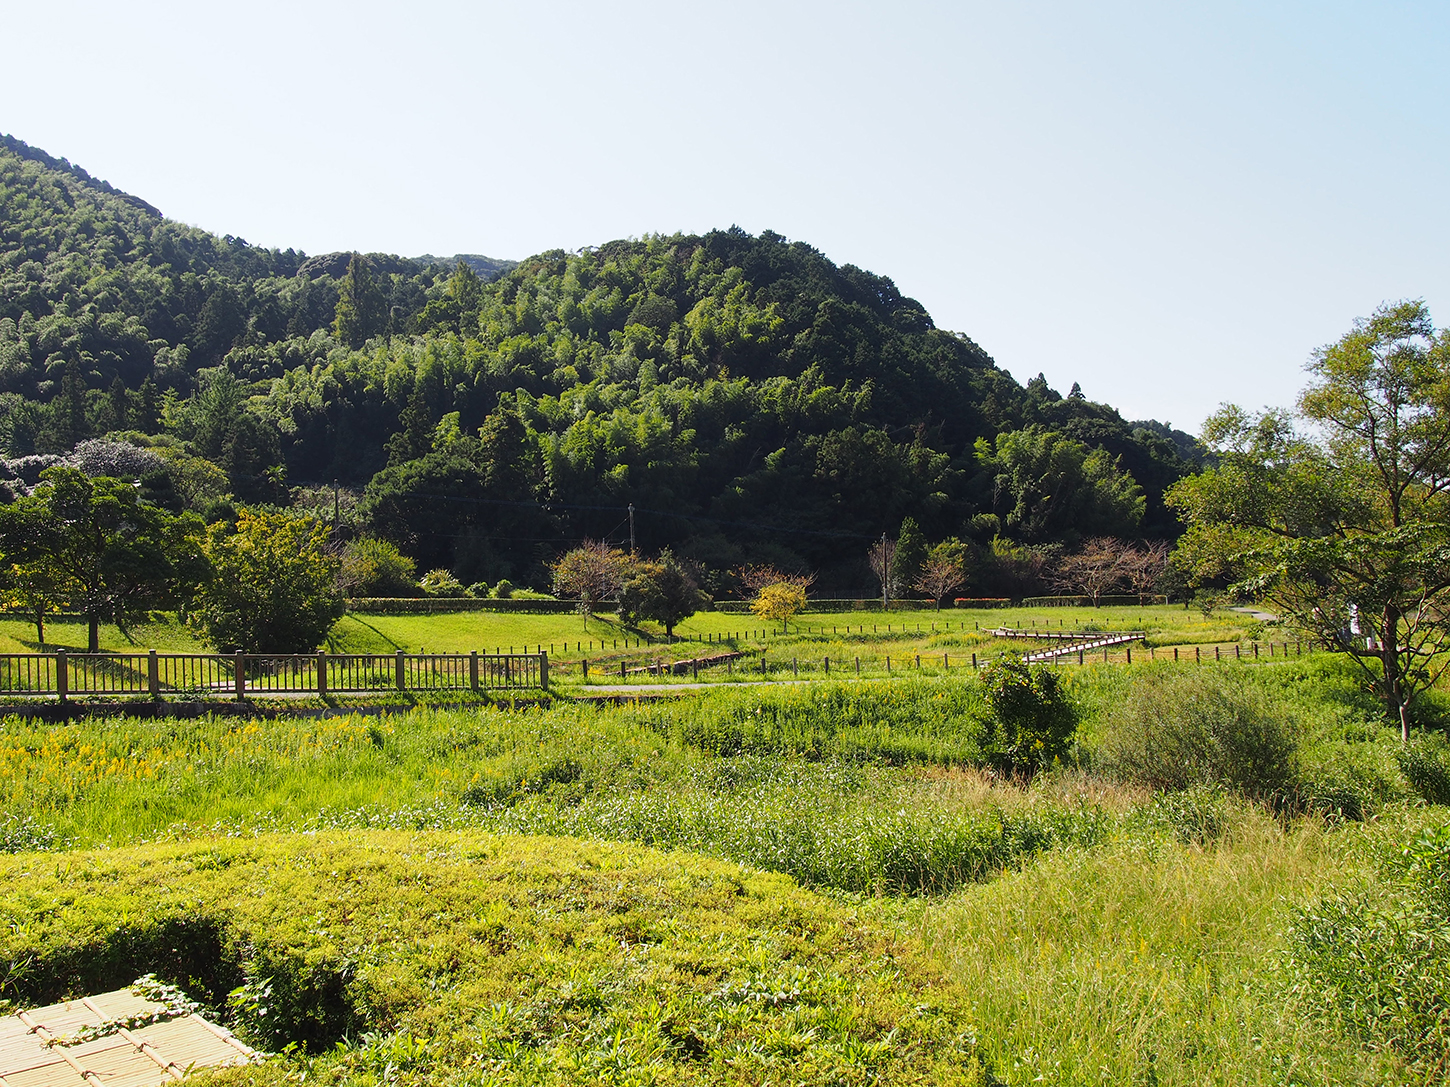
(754, 401)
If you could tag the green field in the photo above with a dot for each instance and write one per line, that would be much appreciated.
(877, 644)
(853, 888)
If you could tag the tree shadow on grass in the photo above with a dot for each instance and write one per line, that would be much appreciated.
(333, 640)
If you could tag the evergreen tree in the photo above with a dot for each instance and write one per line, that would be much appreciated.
(362, 310)
(68, 422)
(910, 557)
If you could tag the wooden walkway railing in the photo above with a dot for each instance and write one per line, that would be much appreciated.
(237, 675)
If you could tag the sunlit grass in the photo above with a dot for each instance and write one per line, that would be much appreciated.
(1148, 961)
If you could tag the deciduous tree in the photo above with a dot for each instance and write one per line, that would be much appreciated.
(273, 587)
(591, 573)
(775, 596)
(944, 569)
(1101, 565)
(115, 556)
(1343, 528)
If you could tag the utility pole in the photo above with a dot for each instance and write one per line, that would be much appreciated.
(631, 528)
(885, 576)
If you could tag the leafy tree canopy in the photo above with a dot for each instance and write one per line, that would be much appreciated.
(273, 587)
(1343, 526)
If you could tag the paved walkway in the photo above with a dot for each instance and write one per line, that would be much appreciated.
(1255, 613)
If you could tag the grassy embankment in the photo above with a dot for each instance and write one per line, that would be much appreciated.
(1083, 928)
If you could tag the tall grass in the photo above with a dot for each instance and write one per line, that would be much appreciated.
(1145, 961)
(810, 787)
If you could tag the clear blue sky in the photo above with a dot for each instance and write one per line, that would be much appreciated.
(1170, 203)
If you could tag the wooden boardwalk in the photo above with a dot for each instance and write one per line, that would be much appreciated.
(116, 1039)
(1080, 642)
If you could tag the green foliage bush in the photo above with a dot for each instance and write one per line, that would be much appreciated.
(1034, 717)
(373, 567)
(441, 582)
(1181, 727)
(273, 587)
(1349, 771)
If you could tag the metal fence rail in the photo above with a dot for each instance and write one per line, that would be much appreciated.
(237, 675)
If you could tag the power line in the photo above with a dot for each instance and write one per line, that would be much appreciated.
(551, 507)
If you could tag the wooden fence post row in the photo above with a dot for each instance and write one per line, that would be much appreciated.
(64, 675)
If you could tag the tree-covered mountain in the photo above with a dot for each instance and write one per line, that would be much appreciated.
(751, 399)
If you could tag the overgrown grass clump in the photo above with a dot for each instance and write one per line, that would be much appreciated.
(450, 958)
(1297, 737)
(933, 722)
(1374, 955)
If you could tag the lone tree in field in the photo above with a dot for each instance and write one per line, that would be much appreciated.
(591, 573)
(97, 545)
(1101, 565)
(664, 591)
(775, 596)
(1345, 529)
(1146, 566)
(944, 569)
(273, 587)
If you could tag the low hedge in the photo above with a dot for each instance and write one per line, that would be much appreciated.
(434, 605)
(816, 607)
(1125, 600)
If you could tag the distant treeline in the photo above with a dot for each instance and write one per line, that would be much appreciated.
(754, 401)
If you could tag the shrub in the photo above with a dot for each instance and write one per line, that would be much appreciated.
(503, 590)
(1351, 775)
(779, 602)
(372, 567)
(1175, 729)
(1035, 718)
(441, 582)
(273, 587)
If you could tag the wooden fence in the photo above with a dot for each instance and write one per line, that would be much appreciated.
(236, 675)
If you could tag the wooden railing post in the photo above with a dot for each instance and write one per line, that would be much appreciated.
(544, 671)
(322, 671)
(62, 675)
(473, 670)
(239, 675)
(153, 675)
(401, 669)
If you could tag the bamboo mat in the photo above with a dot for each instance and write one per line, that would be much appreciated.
(86, 1041)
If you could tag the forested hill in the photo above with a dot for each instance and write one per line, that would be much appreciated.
(753, 400)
